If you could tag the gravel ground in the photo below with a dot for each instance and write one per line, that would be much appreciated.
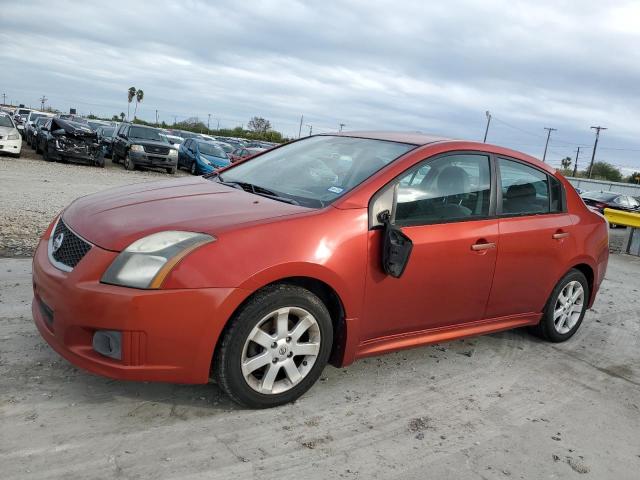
(33, 191)
(500, 406)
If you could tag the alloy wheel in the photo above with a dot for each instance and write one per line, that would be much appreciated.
(281, 350)
(568, 308)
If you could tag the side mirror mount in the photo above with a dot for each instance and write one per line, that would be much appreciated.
(396, 247)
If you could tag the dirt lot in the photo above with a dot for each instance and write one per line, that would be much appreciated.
(500, 406)
(33, 191)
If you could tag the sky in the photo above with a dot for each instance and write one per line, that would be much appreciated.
(434, 67)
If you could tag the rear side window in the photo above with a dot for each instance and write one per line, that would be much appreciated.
(557, 195)
(525, 190)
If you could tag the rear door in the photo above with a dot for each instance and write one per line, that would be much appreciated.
(536, 240)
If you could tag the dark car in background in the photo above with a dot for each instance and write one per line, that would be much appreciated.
(241, 153)
(598, 201)
(105, 135)
(201, 156)
(29, 126)
(139, 146)
(65, 141)
(32, 136)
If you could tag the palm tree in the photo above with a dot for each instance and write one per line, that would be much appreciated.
(139, 97)
(131, 93)
(122, 116)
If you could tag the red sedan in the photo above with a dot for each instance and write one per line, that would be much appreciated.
(241, 153)
(328, 249)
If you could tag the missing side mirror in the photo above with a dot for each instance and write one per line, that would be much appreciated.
(396, 247)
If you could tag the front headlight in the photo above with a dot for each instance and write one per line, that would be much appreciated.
(137, 148)
(13, 136)
(146, 262)
(173, 152)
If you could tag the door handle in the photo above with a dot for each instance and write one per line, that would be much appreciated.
(478, 247)
(560, 235)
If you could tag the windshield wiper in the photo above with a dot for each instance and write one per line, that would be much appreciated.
(257, 190)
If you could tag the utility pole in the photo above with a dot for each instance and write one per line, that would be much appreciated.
(208, 121)
(595, 145)
(310, 129)
(4, 98)
(486, 130)
(175, 120)
(549, 130)
(575, 166)
(218, 124)
(42, 100)
(342, 125)
(156, 117)
(300, 129)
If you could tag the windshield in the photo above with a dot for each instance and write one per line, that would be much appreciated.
(226, 148)
(35, 116)
(211, 149)
(108, 132)
(604, 196)
(316, 171)
(147, 134)
(6, 121)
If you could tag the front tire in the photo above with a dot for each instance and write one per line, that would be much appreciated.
(128, 163)
(565, 308)
(275, 347)
(194, 168)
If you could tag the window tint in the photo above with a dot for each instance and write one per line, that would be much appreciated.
(450, 188)
(525, 189)
(557, 195)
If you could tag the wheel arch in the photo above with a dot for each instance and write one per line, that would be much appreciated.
(588, 271)
(326, 293)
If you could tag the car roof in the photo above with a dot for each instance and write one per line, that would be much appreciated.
(415, 138)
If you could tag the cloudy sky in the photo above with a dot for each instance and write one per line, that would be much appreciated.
(404, 65)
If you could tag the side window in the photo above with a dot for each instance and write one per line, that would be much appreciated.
(633, 203)
(619, 200)
(450, 188)
(525, 190)
(121, 129)
(187, 144)
(557, 195)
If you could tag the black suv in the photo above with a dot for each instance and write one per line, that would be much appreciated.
(137, 145)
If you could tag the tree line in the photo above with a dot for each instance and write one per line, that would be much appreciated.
(600, 171)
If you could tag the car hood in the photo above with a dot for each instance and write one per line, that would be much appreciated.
(115, 218)
(215, 159)
(154, 143)
(7, 131)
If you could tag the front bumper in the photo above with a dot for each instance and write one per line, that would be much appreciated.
(11, 146)
(152, 160)
(167, 335)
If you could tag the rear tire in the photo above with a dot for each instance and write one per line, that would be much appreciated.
(565, 309)
(171, 170)
(266, 330)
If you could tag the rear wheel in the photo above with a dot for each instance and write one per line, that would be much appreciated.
(275, 347)
(565, 308)
(171, 170)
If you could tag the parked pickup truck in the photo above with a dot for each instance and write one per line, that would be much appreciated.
(137, 145)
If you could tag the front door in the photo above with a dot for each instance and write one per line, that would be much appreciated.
(444, 206)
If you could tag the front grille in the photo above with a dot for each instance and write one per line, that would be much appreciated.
(66, 247)
(156, 150)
